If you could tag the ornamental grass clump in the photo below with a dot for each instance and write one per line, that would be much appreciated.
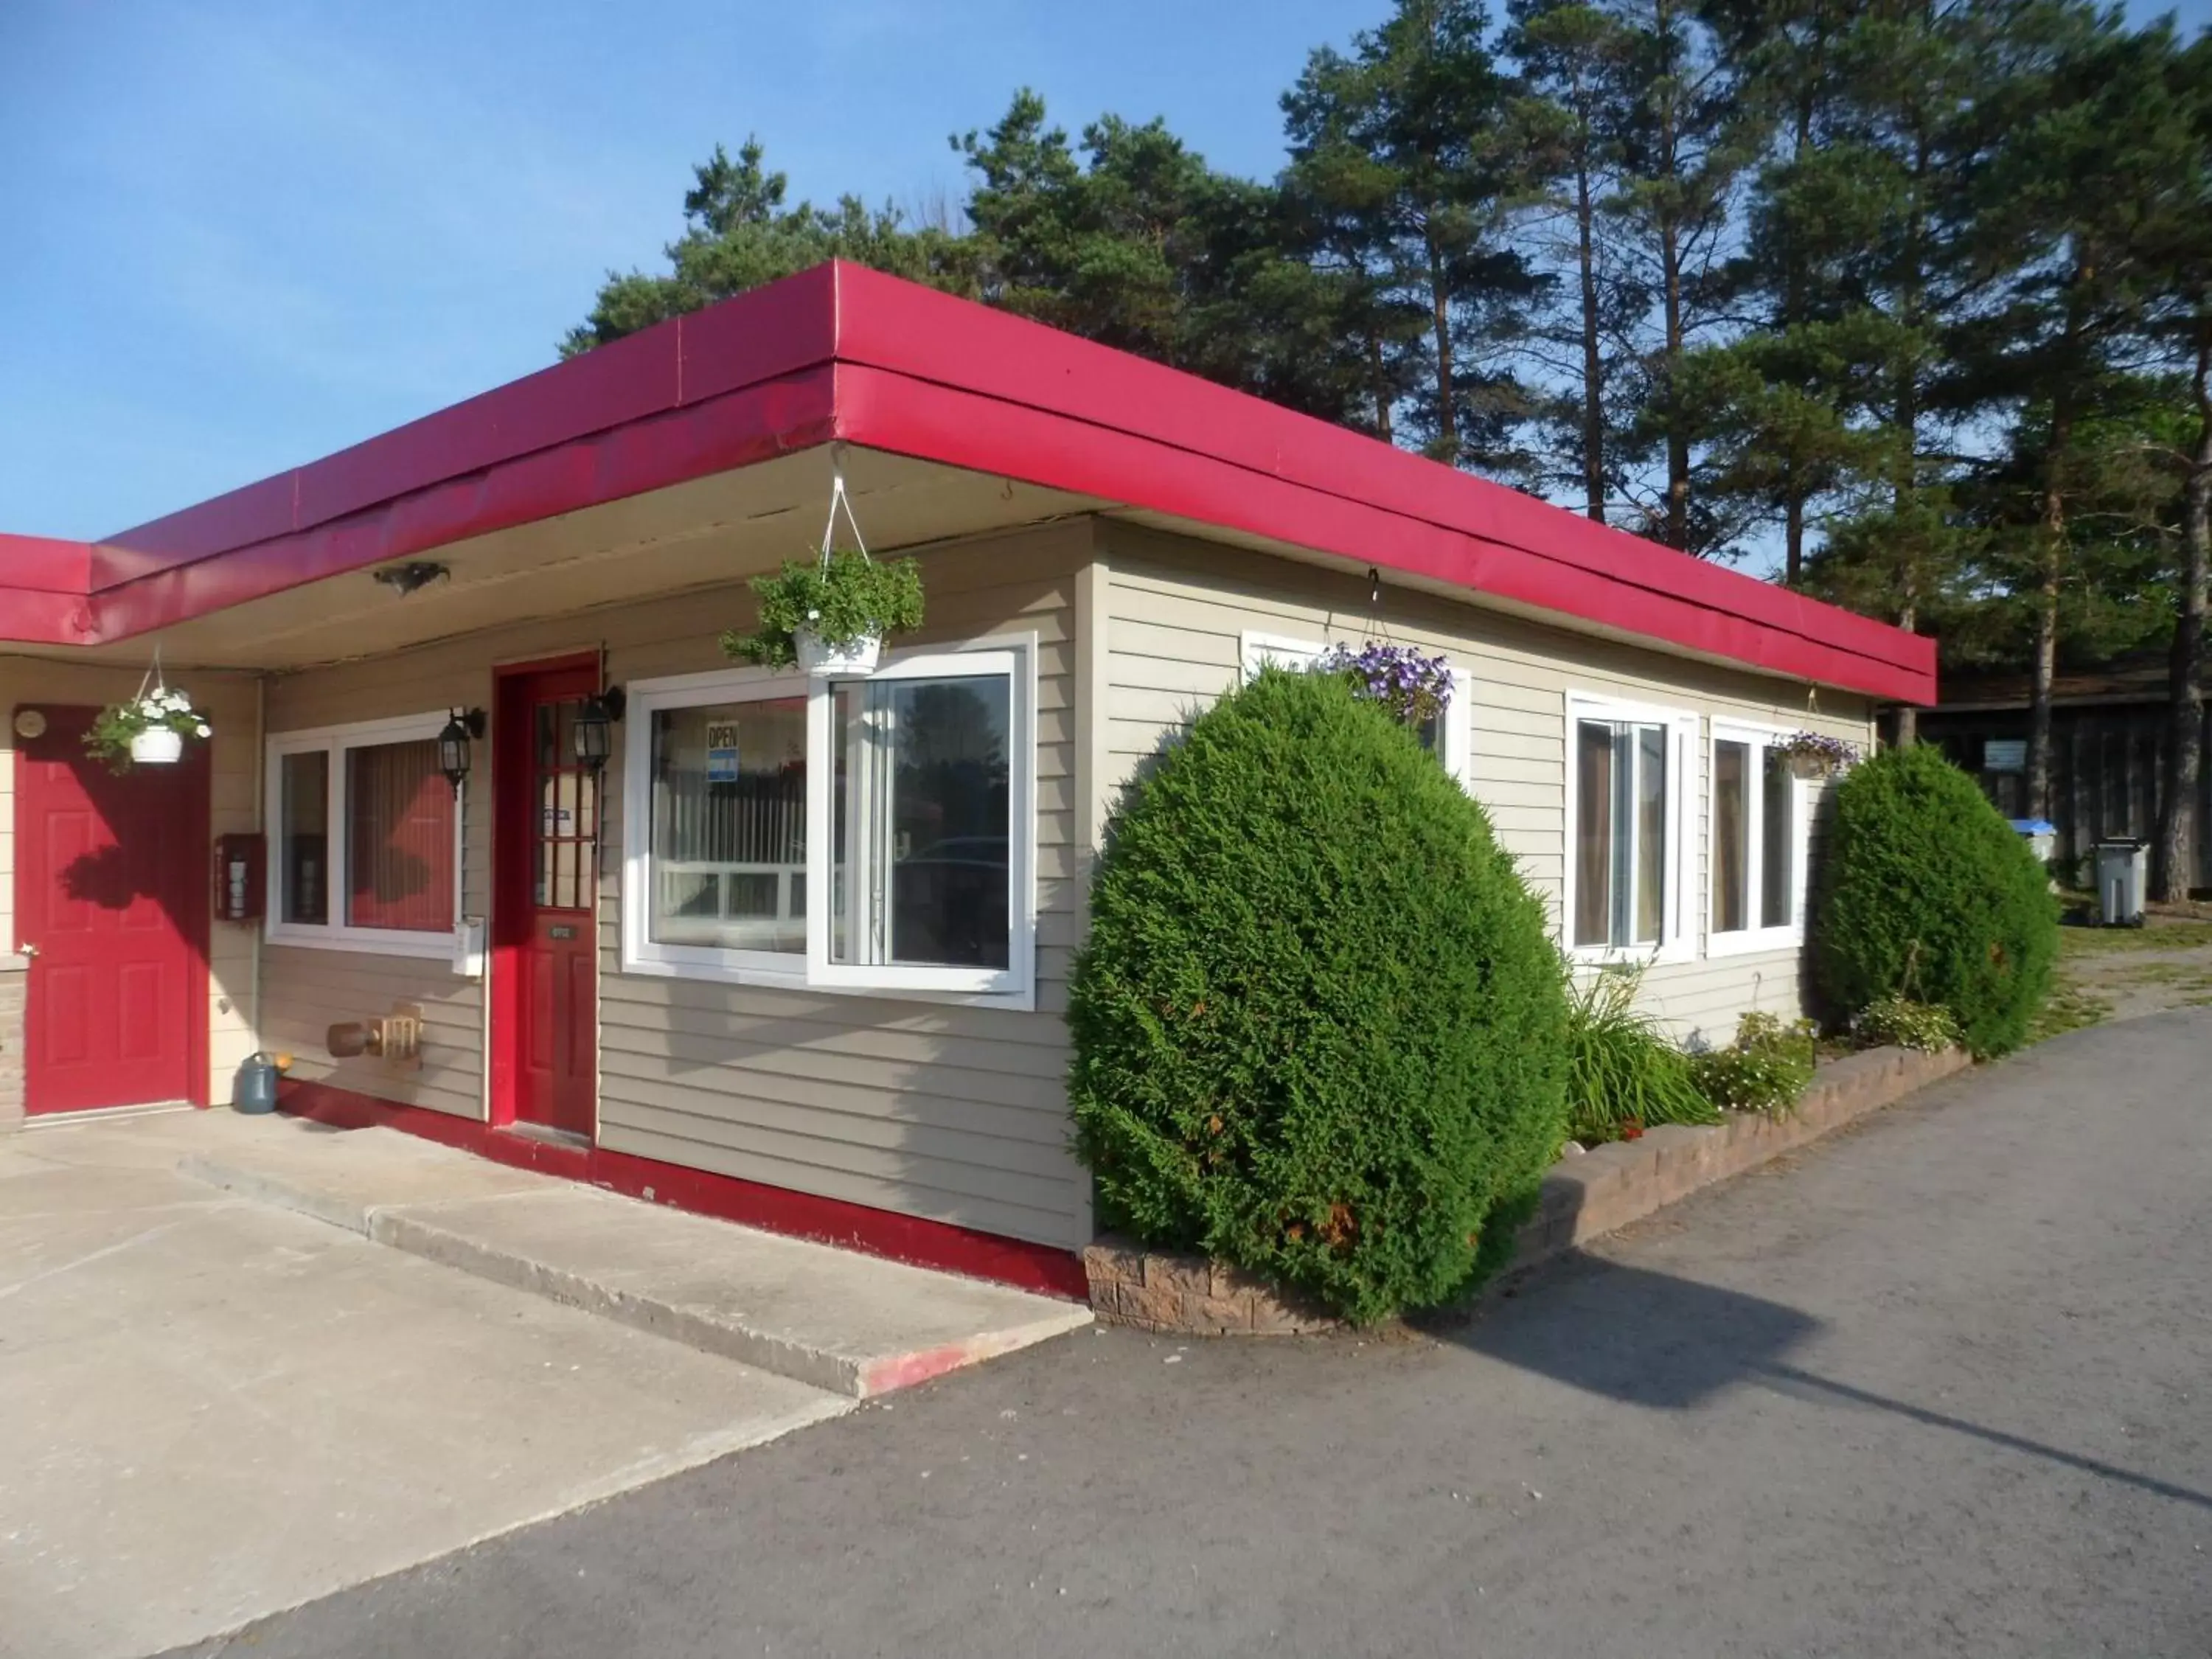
(1623, 1074)
(1319, 1029)
(1927, 892)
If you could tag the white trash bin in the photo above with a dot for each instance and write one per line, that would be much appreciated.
(2123, 875)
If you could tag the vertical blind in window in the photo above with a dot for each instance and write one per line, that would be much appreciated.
(399, 838)
(1621, 808)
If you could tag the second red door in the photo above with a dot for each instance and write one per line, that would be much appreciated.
(545, 873)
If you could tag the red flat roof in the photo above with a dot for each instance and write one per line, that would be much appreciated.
(842, 352)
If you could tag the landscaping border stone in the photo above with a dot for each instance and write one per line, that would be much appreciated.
(1585, 1195)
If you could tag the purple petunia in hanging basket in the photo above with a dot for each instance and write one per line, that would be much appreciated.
(1414, 688)
(1816, 755)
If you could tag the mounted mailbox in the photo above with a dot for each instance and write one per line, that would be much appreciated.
(240, 861)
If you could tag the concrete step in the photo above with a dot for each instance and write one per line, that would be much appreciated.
(836, 1319)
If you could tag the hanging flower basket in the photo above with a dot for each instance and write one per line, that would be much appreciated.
(149, 730)
(1415, 689)
(1815, 755)
(830, 614)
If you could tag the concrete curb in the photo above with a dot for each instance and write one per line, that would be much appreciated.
(908, 1325)
(1606, 1188)
(860, 1376)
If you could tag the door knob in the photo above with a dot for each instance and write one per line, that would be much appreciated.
(27, 949)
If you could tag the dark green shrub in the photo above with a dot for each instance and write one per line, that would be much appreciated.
(1319, 1028)
(1927, 893)
(1766, 1069)
(1621, 1068)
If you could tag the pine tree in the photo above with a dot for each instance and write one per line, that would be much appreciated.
(1408, 145)
(739, 235)
(2096, 162)
(1569, 55)
(1685, 139)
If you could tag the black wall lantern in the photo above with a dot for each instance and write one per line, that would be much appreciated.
(453, 744)
(594, 727)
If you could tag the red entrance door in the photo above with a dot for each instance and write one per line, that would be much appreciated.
(545, 874)
(112, 910)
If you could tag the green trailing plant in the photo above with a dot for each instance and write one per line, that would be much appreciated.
(841, 597)
(1319, 1028)
(160, 708)
(1623, 1074)
(1927, 892)
(1899, 1022)
(1766, 1069)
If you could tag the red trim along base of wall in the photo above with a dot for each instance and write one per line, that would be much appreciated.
(906, 1238)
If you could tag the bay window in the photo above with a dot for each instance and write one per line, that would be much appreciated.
(365, 839)
(872, 834)
(1759, 838)
(1628, 779)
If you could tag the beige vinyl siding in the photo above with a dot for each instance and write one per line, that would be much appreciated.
(949, 1112)
(229, 701)
(1180, 608)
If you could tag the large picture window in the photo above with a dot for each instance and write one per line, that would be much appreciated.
(1628, 777)
(1757, 860)
(871, 834)
(366, 854)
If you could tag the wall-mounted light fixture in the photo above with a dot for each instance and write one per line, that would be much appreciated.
(453, 744)
(595, 737)
(405, 579)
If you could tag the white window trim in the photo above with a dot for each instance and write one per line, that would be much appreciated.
(1744, 941)
(1679, 926)
(337, 935)
(1256, 649)
(1013, 987)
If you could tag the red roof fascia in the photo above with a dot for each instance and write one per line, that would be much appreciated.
(914, 331)
(840, 351)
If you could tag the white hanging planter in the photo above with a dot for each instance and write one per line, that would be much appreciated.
(824, 661)
(157, 745)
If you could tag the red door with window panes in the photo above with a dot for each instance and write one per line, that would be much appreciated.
(545, 821)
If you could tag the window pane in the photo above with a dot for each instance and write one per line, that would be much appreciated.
(1731, 836)
(729, 826)
(399, 838)
(303, 837)
(924, 823)
(1650, 833)
(1593, 851)
(1778, 845)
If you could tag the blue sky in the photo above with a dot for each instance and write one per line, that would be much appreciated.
(239, 236)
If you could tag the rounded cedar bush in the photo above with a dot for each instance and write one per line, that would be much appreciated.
(1928, 893)
(1319, 1029)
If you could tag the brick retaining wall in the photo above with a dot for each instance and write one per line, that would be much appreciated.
(1585, 1195)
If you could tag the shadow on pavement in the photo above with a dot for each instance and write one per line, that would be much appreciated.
(1648, 1339)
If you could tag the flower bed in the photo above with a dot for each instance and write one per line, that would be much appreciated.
(1585, 1195)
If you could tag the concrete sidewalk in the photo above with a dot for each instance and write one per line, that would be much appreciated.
(211, 1410)
(835, 1319)
(224, 1392)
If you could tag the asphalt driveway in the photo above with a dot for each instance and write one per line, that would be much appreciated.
(1942, 1384)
